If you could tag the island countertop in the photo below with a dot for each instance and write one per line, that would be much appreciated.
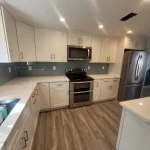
(140, 107)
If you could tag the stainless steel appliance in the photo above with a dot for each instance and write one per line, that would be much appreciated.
(79, 53)
(81, 87)
(132, 74)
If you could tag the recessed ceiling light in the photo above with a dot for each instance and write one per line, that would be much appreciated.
(101, 26)
(62, 19)
(129, 32)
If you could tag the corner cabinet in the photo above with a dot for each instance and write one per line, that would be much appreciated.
(26, 42)
(8, 35)
(50, 44)
(59, 94)
(134, 42)
(79, 39)
(108, 50)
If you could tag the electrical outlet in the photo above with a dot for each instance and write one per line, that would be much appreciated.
(9, 69)
(89, 67)
(54, 67)
(103, 67)
(30, 68)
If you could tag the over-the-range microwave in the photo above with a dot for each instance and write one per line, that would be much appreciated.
(79, 53)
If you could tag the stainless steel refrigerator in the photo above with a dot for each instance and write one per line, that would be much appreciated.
(132, 74)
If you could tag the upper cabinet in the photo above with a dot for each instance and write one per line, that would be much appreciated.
(26, 42)
(108, 50)
(96, 48)
(8, 38)
(51, 46)
(134, 42)
(79, 39)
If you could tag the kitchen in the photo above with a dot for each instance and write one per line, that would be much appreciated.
(62, 80)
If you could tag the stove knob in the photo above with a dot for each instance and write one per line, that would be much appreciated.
(70, 69)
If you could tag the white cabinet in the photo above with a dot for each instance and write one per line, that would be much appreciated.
(109, 88)
(79, 39)
(35, 108)
(43, 40)
(8, 43)
(96, 47)
(44, 95)
(59, 94)
(59, 43)
(96, 90)
(26, 42)
(108, 50)
(51, 46)
(134, 42)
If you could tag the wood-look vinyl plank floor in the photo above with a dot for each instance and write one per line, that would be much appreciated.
(93, 127)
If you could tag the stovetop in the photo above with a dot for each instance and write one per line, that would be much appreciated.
(77, 75)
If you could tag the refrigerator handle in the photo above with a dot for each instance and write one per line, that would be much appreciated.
(140, 66)
(136, 69)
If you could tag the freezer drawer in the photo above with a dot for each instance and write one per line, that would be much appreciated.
(131, 92)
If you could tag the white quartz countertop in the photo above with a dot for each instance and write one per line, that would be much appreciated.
(103, 76)
(139, 107)
(22, 89)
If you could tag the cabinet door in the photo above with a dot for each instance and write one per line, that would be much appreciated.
(85, 40)
(96, 90)
(11, 36)
(73, 39)
(59, 93)
(104, 55)
(20, 143)
(96, 47)
(44, 97)
(139, 43)
(26, 42)
(3, 45)
(113, 91)
(59, 41)
(43, 40)
(113, 43)
(27, 130)
(34, 108)
(129, 42)
(105, 91)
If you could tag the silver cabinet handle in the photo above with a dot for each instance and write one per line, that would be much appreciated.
(25, 144)
(11, 53)
(54, 56)
(109, 87)
(21, 55)
(37, 92)
(33, 95)
(51, 57)
(79, 40)
(26, 135)
(34, 101)
(97, 84)
(59, 84)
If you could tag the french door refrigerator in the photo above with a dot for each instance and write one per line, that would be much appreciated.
(132, 74)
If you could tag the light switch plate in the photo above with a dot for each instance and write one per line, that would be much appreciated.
(9, 69)
(30, 68)
(103, 67)
(54, 67)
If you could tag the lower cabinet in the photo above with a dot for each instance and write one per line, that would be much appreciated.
(59, 94)
(105, 89)
(44, 96)
(109, 88)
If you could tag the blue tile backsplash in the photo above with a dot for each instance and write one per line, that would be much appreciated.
(46, 68)
(21, 69)
(5, 75)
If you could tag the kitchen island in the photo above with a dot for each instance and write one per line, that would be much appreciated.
(134, 131)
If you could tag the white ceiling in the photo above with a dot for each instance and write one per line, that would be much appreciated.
(84, 15)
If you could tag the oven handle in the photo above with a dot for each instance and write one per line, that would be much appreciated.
(82, 82)
(81, 92)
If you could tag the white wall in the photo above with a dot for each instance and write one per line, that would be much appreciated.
(116, 68)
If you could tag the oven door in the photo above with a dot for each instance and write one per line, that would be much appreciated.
(81, 86)
(79, 53)
(81, 98)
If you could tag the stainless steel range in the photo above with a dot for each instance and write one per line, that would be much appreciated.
(81, 87)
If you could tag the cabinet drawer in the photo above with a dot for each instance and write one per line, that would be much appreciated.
(59, 85)
(110, 81)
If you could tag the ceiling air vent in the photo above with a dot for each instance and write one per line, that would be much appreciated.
(129, 16)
